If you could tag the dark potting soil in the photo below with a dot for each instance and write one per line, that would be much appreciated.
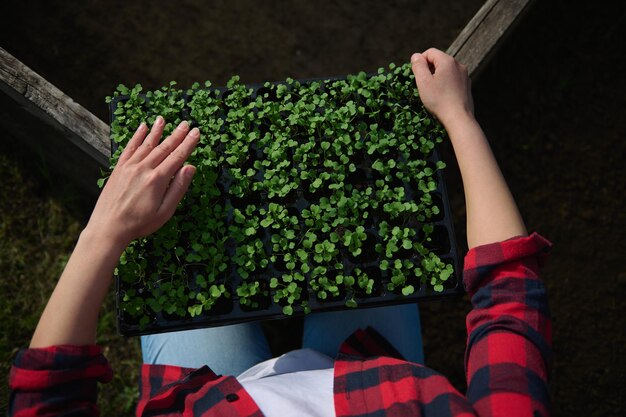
(551, 102)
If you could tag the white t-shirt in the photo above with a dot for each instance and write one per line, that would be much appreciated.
(298, 383)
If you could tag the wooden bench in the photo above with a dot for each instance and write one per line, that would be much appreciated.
(77, 142)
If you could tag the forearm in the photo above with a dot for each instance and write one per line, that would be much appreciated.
(71, 315)
(141, 194)
(492, 214)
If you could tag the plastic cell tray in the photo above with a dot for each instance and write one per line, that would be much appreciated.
(230, 311)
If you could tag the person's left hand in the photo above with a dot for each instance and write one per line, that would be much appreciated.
(146, 185)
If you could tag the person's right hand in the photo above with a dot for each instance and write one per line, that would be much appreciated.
(146, 185)
(443, 84)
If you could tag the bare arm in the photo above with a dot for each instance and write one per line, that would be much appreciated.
(508, 343)
(140, 196)
(444, 88)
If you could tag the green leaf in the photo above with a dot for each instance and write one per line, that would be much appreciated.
(215, 291)
(238, 216)
(288, 310)
(445, 274)
(408, 290)
(195, 310)
(144, 321)
(201, 281)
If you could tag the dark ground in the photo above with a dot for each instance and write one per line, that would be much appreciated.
(552, 103)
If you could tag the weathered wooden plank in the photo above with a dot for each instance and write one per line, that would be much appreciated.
(78, 142)
(485, 32)
(54, 108)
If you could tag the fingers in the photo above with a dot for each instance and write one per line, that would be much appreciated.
(436, 57)
(151, 140)
(439, 60)
(179, 155)
(161, 152)
(419, 65)
(175, 192)
(133, 143)
(425, 65)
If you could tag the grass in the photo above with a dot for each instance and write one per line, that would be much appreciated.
(38, 230)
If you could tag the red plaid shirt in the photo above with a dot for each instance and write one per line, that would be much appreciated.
(508, 351)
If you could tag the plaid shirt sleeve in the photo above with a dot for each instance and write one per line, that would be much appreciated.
(507, 353)
(509, 328)
(174, 391)
(58, 380)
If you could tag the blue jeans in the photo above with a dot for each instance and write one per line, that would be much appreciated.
(230, 350)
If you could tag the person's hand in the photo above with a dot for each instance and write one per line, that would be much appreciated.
(443, 84)
(146, 185)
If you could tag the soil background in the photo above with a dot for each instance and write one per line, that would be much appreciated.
(552, 101)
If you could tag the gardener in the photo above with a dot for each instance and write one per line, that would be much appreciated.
(368, 374)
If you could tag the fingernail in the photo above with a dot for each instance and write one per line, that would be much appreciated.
(415, 57)
(183, 125)
(189, 171)
(159, 121)
(194, 132)
(142, 126)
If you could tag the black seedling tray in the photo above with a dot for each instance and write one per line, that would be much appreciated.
(229, 311)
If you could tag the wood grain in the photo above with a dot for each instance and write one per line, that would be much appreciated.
(486, 31)
(47, 103)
